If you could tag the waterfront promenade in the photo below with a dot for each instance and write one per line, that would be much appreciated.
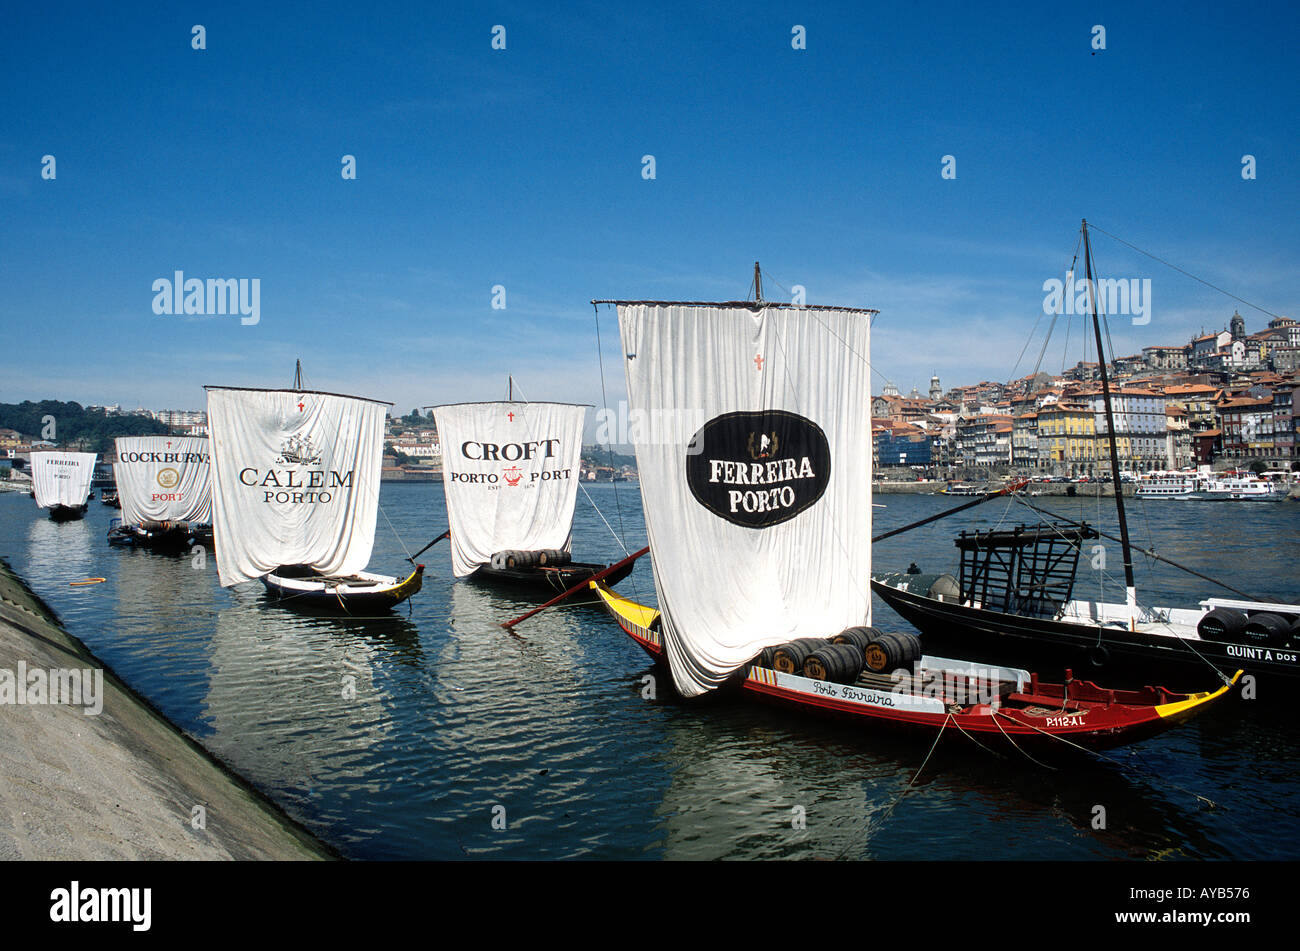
(121, 783)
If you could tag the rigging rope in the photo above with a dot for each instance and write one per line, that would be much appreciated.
(1210, 802)
(915, 776)
(1181, 271)
(618, 504)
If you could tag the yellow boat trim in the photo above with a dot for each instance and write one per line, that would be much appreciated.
(410, 586)
(78, 584)
(640, 615)
(1196, 699)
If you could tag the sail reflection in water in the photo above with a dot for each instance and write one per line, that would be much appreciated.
(298, 702)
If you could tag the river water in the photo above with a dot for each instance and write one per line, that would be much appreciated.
(438, 735)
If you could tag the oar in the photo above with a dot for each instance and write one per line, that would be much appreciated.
(577, 587)
(428, 546)
(1013, 487)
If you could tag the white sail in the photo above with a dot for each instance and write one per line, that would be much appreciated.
(760, 525)
(62, 478)
(510, 471)
(163, 479)
(295, 480)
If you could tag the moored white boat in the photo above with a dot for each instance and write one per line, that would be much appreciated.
(295, 496)
(510, 475)
(164, 490)
(1170, 485)
(61, 482)
(1237, 486)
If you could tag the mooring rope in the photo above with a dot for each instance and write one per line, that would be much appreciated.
(1100, 755)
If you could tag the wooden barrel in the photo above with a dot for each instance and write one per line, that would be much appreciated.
(521, 559)
(764, 659)
(1222, 624)
(838, 663)
(859, 637)
(789, 658)
(553, 557)
(1267, 630)
(889, 652)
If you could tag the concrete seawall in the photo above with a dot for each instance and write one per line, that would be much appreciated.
(123, 783)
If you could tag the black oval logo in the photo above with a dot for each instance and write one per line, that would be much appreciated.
(758, 469)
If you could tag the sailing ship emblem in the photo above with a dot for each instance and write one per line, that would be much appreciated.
(298, 451)
(512, 479)
(168, 478)
(768, 444)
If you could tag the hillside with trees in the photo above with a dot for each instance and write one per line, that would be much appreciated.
(73, 424)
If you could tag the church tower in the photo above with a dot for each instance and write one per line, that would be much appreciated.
(1238, 326)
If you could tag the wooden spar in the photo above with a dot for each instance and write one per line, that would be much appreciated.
(577, 587)
(1014, 487)
(1125, 547)
(445, 534)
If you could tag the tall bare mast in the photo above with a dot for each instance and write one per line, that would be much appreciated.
(1130, 588)
(297, 375)
(758, 283)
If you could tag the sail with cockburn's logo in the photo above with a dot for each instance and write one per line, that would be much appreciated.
(758, 469)
(163, 479)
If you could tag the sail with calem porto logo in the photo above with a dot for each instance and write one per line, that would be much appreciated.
(295, 495)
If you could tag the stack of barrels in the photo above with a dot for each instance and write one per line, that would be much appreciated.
(844, 658)
(1261, 629)
(550, 557)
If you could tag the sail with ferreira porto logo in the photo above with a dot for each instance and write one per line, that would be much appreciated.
(295, 495)
(61, 482)
(759, 529)
(510, 473)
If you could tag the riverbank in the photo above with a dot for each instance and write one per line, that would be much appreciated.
(1086, 489)
(106, 776)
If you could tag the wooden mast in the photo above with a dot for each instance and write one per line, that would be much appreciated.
(1130, 587)
(297, 375)
(758, 284)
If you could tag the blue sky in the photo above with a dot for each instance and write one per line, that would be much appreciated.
(522, 167)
